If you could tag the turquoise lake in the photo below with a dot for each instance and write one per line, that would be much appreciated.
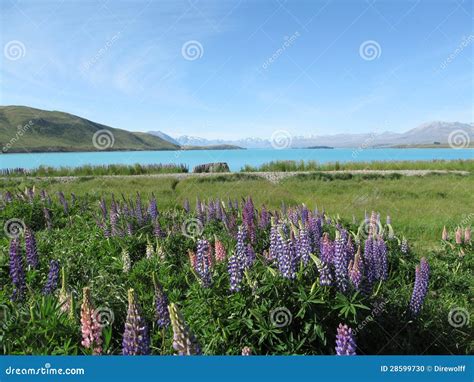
(235, 158)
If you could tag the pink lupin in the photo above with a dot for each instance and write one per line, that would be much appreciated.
(90, 328)
(467, 235)
(459, 236)
(219, 251)
(444, 235)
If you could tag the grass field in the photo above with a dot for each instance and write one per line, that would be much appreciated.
(291, 165)
(419, 206)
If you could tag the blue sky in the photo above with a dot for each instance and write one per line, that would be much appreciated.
(296, 65)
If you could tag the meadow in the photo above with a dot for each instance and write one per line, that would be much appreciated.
(420, 206)
(235, 264)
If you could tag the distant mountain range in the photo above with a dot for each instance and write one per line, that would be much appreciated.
(25, 129)
(432, 133)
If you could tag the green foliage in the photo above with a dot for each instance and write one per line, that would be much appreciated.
(223, 322)
(291, 165)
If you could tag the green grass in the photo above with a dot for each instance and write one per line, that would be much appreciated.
(289, 165)
(25, 129)
(419, 206)
(88, 170)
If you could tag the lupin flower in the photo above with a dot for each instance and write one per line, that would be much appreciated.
(246, 351)
(65, 298)
(467, 235)
(420, 289)
(162, 315)
(53, 277)
(250, 256)
(31, 249)
(186, 206)
(272, 251)
(369, 260)
(459, 235)
(345, 342)
(283, 255)
(136, 340)
(192, 258)
(204, 262)
(47, 218)
(91, 329)
(160, 253)
(340, 263)
(149, 250)
(404, 246)
(63, 201)
(17, 273)
(153, 208)
(126, 262)
(219, 250)
(304, 246)
(326, 249)
(381, 261)
(235, 273)
(356, 270)
(325, 275)
(184, 341)
(248, 219)
(264, 220)
(444, 235)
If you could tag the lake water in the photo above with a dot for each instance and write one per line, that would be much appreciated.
(235, 158)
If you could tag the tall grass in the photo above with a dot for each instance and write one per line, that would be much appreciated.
(291, 165)
(88, 170)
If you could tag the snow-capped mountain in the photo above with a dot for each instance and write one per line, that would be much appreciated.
(427, 133)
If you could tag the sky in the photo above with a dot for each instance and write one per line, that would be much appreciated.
(231, 69)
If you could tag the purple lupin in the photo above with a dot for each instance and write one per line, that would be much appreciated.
(340, 263)
(162, 315)
(203, 262)
(17, 273)
(53, 277)
(184, 341)
(31, 249)
(136, 340)
(420, 289)
(345, 342)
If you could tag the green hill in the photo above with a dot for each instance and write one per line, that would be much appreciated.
(25, 129)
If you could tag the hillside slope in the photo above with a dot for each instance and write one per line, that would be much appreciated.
(25, 129)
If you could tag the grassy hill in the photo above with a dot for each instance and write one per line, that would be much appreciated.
(25, 129)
